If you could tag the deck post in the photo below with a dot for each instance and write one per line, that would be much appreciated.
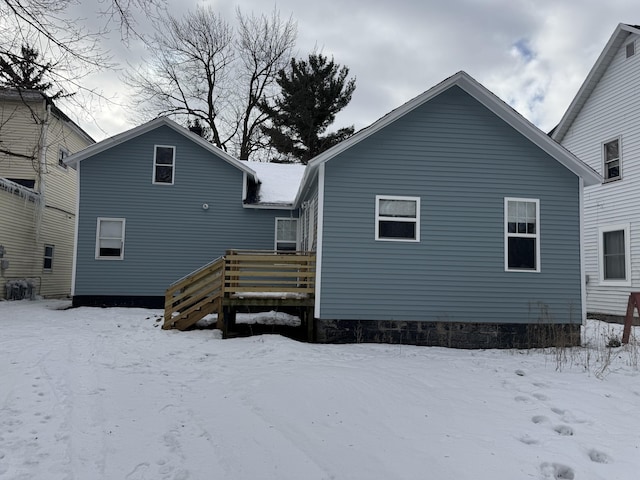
(308, 314)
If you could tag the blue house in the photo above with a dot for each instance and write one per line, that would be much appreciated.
(450, 221)
(157, 202)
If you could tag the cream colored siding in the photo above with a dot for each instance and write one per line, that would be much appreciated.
(26, 226)
(610, 112)
(19, 134)
(18, 237)
(61, 183)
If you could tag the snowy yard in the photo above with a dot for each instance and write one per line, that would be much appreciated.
(95, 393)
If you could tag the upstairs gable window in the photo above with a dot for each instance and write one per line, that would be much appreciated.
(164, 164)
(612, 160)
(631, 49)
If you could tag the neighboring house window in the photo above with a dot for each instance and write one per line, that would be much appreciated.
(164, 164)
(47, 263)
(631, 49)
(615, 258)
(62, 154)
(110, 239)
(522, 234)
(397, 218)
(25, 182)
(612, 160)
(287, 234)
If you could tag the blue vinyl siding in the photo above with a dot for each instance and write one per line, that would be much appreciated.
(168, 233)
(462, 161)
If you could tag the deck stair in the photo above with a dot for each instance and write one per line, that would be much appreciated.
(240, 278)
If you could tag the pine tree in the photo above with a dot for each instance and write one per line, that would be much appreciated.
(26, 71)
(313, 91)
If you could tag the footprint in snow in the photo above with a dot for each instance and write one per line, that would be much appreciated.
(527, 440)
(522, 399)
(540, 396)
(138, 473)
(557, 471)
(539, 419)
(558, 411)
(564, 430)
(599, 457)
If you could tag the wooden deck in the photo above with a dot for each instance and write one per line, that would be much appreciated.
(242, 278)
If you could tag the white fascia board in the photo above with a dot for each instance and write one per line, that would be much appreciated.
(72, 160)
(267, 206)
(621, 32)
(530, 131)
(489, 100)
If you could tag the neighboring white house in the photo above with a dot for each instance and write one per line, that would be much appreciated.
(37, 195)
(602, 128)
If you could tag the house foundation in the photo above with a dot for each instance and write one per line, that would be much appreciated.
(448, 334)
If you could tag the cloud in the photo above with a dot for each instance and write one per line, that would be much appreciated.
(534, 55)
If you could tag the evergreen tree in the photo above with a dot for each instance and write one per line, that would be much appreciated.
(313, 91)
(26, 71)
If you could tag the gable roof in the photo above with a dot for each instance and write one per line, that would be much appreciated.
(619, 36)
(34, 96)
(111, 142)
(485, 97)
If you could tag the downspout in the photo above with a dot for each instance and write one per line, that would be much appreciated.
(42, 166)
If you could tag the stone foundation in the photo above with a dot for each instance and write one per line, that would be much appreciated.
(447, 334)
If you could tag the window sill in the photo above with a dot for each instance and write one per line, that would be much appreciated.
(615, 283)
(612, 180)
(403, 240)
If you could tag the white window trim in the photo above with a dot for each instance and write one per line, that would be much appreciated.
(523, 235)
(44, 257)
(379, 218)
(603, 155)
(275, 234)
(627, 254)
(109, 219)
(173, 165)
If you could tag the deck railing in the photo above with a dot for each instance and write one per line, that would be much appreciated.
(239, 274)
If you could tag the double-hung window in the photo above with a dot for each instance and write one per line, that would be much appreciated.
(47, 263)
(110, 239)
(286, 234)
(397, 218)
(522, 234)
(615, 264)
(612, 160)
(164, 158)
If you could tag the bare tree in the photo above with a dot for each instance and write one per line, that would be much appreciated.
(201, 68)
(64, 40)
(46, 51)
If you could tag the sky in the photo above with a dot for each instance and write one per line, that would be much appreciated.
(533, 54)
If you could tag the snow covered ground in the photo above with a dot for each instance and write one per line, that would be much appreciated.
(95, 393)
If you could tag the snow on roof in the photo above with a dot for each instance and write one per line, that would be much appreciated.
(279, 182)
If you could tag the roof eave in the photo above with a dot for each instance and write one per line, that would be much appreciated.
(489, 100)
(111, 142)
(621, 32)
